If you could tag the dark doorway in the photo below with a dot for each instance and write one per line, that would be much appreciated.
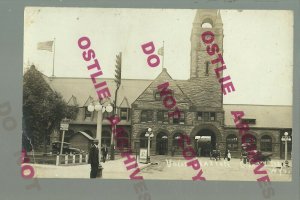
(162, 144)
(205, 142)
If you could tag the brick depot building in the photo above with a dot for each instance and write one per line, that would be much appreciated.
(199, 99)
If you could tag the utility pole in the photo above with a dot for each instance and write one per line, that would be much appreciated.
(118, 78)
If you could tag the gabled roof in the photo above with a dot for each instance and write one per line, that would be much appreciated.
(125, 103)
(83, 88)
(72, 101)
(164, 76)
(88, 101)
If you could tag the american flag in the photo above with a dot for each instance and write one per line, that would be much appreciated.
(161, 51)
(45, 46)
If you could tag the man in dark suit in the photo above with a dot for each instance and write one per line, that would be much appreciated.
(94, 159)
(104, 151)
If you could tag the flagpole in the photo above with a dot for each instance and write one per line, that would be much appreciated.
(163, 58)
(53, 57)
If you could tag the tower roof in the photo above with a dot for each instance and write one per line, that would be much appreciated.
(211, 16)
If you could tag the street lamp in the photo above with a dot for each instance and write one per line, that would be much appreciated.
(149, 135)
(285, 139)
(100, 109)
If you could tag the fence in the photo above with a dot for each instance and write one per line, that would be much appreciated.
(59, 159)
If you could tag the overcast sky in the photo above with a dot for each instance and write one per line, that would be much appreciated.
(258, 46)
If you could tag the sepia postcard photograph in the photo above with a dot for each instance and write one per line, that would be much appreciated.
(159, 94)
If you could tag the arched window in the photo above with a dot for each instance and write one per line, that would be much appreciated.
(106, 137)
(207, 23)
(248, 138)
(175, 140)
(249, 142)
(266, 143)
(232, 142)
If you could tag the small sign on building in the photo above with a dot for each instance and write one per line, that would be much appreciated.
(143, 156)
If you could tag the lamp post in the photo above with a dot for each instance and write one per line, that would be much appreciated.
(285, 139)
(100, 109)
(149, 135)
(164, 146)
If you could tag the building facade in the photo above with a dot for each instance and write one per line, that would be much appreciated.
(203, 116)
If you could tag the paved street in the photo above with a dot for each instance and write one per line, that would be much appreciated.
(170, 168)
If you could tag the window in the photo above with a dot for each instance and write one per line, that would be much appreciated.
(207, 24)
(232, 142)
(175, 141)
(212, 116)
(124, 114)
(250, 139)
(266, 143)
(157, 96)
(182, 118)
(179, 120)
(162, 117)
(107, 115)
(206, 68)
(206, 116)
(147, 116)
(248, 121)
(87, 114)
(200, 116)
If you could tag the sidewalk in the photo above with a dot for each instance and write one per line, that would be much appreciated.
(114, 169)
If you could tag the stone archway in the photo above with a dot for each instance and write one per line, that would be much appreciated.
(205, 142)
(162, 143)
(206, 136)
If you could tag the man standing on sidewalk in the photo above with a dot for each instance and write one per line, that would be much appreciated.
(94, 159)
(104, 151)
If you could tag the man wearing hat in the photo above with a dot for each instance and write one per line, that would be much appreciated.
(94, 159)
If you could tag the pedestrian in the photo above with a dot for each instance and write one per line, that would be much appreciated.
(228, 155)
(173, 151)
(104, 151)
(94, 159)
(199, 151)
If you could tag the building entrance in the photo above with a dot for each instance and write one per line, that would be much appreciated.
(205, 142)
(162, 144)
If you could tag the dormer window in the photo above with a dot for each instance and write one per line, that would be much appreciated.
(124, 114)
(87, 114)
(157, 96)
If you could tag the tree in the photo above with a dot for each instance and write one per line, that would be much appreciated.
(43, 109)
